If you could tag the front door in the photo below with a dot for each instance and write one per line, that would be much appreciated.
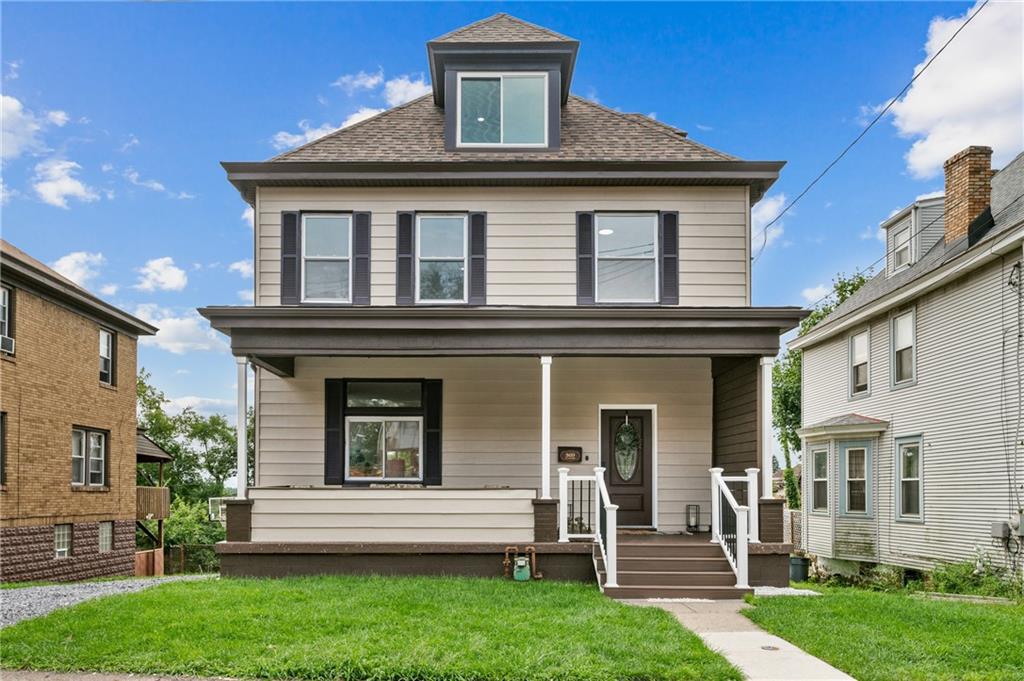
(626, 457)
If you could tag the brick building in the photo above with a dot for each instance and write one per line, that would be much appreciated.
(67, 427)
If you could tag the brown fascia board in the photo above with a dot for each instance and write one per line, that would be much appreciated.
(38, 281)
(247, 175)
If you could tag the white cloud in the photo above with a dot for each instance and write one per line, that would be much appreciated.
(161, 274)
(107, 167)
(815, 293)
(352, 82)
(204, 406)
(80, 267)
(870, 232)
(133, 141)
(58, 118)
(972, 94)
(766, 210)
(242, 267)
(133, 176)
(55, 182)
(360, 115)
(21, 129)
(704, 128)
(182, 372)
(109, 289)
(286, 140)
(404, 89)
(12, 70)
(249, 216)
(931, 195)
(185, 196)
(246, 296)
(179, 334)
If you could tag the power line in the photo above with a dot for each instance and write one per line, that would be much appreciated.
(885, 110)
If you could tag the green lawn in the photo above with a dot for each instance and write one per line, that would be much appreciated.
(365, 628)
(877, 636)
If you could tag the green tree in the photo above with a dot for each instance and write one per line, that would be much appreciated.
(786, 380)
(215, 446)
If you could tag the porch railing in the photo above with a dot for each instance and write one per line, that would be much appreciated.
(734, 526)
(585, 511)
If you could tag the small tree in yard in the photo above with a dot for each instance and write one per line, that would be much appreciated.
(786, 381)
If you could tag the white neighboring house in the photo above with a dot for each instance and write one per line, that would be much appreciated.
(912, 408)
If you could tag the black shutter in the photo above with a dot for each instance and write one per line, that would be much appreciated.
(478, 258)
(585, 258)
(668, 257)
(432, 401)
(334, 428)
(406, 248)
(361, 258)
(290, 258)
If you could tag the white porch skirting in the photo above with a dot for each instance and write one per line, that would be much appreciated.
(392, 515)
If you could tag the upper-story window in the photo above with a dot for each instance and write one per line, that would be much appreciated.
(441, 258)
(901, 248)
(903, 348)
(6, 325)
(859, 355)
(88, 457)
(502, 109)
(326, 264)
(627, 258)
(108, 348)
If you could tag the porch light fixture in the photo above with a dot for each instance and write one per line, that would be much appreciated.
(693, 518)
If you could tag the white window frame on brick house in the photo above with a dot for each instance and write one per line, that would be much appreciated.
(107, 357)
(88, 457)
(63, 540)
(106, 538)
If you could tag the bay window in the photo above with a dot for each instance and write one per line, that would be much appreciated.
(502, 109)
(856, 480)
(326, 262)
(627, 258)
(441, 258)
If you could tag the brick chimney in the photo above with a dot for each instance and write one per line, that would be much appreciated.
(968, 189)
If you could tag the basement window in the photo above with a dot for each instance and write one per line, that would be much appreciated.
(502, 109)
(106, 537)
(61, 541)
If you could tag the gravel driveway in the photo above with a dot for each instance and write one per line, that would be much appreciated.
(32, 601)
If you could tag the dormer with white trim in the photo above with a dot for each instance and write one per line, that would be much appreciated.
(911, 232)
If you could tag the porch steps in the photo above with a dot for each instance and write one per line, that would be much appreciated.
(671, 566)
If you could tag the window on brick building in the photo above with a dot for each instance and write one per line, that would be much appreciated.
(108, 357)
(61, 541)
(3, 447)
(106, 537)
(88, 457)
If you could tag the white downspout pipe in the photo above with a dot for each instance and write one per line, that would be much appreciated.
(242, 432)
(767, 434)
(545, 427)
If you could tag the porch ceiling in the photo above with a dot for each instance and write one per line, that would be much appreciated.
(274, 336)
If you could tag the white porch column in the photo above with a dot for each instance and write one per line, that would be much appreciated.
(753, 527)
(563, 505)
(767, 434)
(545, 427)
(716, 497)
(243, 413)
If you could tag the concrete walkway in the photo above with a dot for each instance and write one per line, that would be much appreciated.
(759, 655)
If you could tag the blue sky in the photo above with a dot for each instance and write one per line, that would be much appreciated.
(117, 115)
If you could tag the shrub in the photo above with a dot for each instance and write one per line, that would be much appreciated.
(979, 577)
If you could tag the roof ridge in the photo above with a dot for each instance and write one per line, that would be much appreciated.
(660, 129)
(501, 15)
(335, 133)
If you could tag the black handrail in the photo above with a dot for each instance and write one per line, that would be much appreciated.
(727, 526)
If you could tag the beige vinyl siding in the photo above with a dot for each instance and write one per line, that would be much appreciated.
(531, 236)
(391, 515)
(955, 406)
(491, 419)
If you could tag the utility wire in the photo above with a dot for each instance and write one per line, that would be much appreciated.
(885, 110)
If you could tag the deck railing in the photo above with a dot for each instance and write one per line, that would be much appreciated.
(585, 511)
(734, 526)
(152, 503)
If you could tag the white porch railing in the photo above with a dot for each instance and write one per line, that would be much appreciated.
(585, 511)
(734, 526)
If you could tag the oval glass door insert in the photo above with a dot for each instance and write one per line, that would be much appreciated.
(627, 450)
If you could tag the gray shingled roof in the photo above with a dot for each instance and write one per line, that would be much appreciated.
(414, 132)
(1008, 211)
(848, 420)
(502, 28)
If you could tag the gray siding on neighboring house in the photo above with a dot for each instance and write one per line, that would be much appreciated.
(955, 406)
(932, 226)
(531, 243)
(492, 419)
(890, 239)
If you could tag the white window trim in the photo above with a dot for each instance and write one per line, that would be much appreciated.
(847, 479)
(901, 442)
(102, 457)
(382, 419)
(849, 365)
(913, 349)
(653, 258)
(5, 303)
(109, 357)
(465, 258)
(65, 552)
(87, 458)
(302, 254)
(821, 510)
(500, 75)
(909, 247)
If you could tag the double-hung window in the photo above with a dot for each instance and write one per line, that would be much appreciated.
(502, 109)
(819, 482)
(384, 431)
(909, 490)
(901, 249)
(903, 360)
(6, 321)
(627, 258)
(859, 355)
(61, 541)
(856, 480)
(441, 258)
(326, 261)
(88, 457)
(107, 349)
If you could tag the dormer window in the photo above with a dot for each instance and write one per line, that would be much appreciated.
(901, 255)
(502, 109)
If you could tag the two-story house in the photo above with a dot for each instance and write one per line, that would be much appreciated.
(67, 427)
(503, 316)
(912, 402)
